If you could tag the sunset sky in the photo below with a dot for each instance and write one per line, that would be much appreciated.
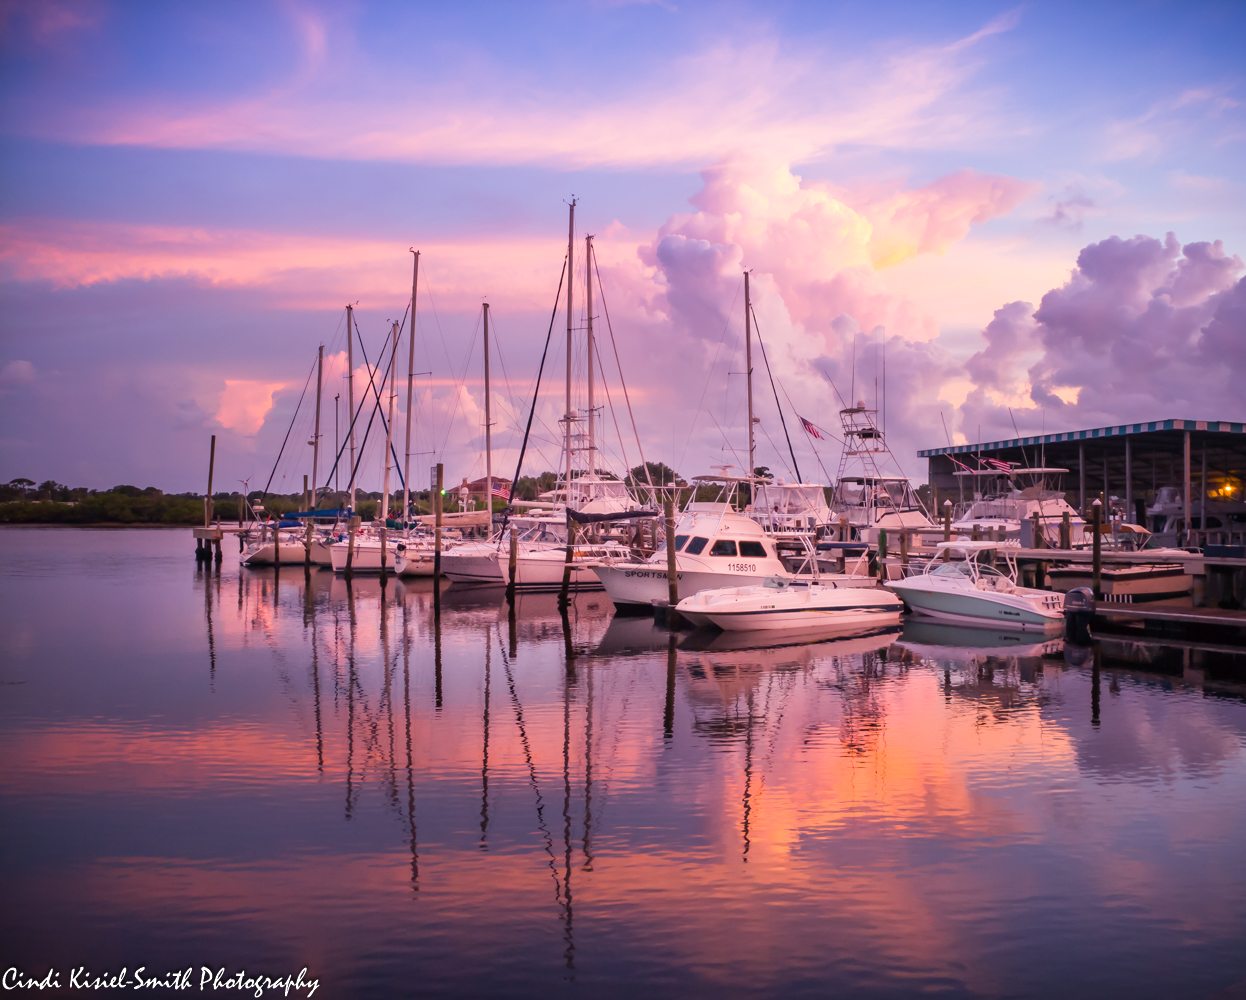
(1026, 214)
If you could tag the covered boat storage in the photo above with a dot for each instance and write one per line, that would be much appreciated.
(1129, 461)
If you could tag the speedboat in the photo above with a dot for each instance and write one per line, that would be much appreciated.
(779, 605)
(969, 588)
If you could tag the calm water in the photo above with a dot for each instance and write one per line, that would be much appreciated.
(242, 770)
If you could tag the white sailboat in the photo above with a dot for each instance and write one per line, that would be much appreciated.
(541, 537)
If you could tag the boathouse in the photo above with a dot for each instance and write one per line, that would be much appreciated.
(1132, 462)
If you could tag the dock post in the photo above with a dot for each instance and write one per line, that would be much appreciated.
(947, 520)
(672, 577)
(512, 561)
(351, 530)
(904, 550)
(1066, 531)
(207, 500)
(437, 505)
(307, 529)
(565, 589)
(1096, 514)
(976, 534)
(882, 554)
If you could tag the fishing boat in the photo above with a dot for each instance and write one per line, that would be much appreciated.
(716, 546)
(972, 589)
(778, 605)
(871, 493)
(1006, 496)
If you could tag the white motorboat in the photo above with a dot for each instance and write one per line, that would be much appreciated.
(1007, 496)
(717, 547)
(779, 605)
(871, 493)
(970, 589)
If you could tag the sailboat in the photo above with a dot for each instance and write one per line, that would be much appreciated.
(542, 557)
(296, 539)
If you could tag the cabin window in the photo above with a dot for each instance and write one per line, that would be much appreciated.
(754, 550)
(680, 542)
(724, 547)
(696, 546)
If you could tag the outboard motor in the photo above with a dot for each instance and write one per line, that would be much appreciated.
(1079, 610)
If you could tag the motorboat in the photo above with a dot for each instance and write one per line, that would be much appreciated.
(971, 588)
(1006, 496)
(780, 605)
(716, 546)
(1163, 579)
(871, 494)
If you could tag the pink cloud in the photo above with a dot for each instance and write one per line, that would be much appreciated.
(798, 103)
(245, 403)
(297, 270)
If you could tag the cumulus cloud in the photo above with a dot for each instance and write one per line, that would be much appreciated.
(245, 403)
(1144, 328)
(822, 301)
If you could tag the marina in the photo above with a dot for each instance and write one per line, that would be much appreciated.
(388, 782)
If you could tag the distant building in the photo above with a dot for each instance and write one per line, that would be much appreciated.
(475, 490)
(1132, 462)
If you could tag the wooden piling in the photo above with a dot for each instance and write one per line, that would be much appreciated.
(1066, 531)
(947, 520)
(437, 505)
(307, 528)
(1096, 513)
(512, 563)
(672, 576)
(565, 589)
(882, 554)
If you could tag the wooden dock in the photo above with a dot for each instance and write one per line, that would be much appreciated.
(1220, 624)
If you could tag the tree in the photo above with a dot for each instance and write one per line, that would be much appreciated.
(659, 473)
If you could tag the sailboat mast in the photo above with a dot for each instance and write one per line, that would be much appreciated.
(389, 436)
(570, 283)
(588, 308)
(488, 429)
(316, 432)
(748, 372)
(406, 457)
(350, 395)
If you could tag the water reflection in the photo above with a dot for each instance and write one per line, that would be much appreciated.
(404, 784)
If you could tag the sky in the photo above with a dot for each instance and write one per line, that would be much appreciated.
(983, 219)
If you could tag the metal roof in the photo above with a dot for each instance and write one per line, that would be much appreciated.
(1119, 430)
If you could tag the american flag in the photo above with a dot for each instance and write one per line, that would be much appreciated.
(810, 429)
(502, 492)
(995, 463)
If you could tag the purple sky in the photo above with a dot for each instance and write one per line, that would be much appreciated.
(1033, 208)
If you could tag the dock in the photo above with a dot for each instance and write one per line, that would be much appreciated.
(1172, 621)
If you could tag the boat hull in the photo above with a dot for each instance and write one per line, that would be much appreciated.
(1020, 610)
(643, 584)
(1129, 584)
(487, 565)
(366, 559)
(292, 553)
(786, 609)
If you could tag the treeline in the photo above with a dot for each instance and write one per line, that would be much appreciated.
(22, 501)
